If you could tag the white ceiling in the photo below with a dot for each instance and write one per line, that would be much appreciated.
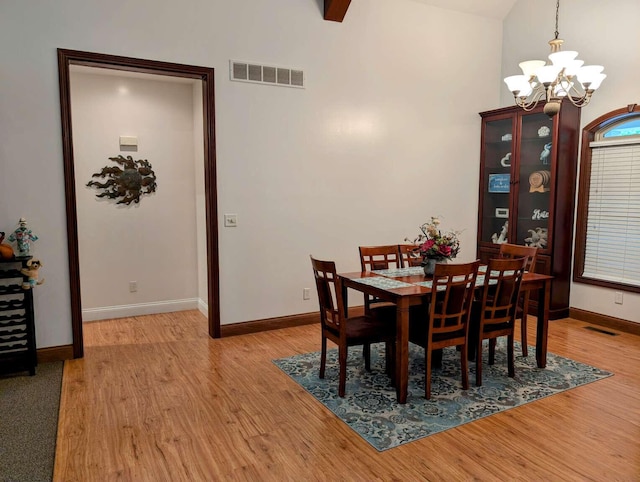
(485, 8)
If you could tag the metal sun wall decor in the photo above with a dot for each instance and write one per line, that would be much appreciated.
(127, 184)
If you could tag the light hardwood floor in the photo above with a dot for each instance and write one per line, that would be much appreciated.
(155, 399)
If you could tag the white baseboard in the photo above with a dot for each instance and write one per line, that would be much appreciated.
(203, 306)
(123, 311)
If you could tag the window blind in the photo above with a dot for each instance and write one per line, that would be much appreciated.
(612, 248)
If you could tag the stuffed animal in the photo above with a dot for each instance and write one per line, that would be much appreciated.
(6, 251)
(31, 271)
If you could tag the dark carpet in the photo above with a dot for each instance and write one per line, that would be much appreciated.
(29, 408)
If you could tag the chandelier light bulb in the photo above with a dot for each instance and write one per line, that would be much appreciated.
(529, 67)
(563, 57)
(548, 73)
(572, 68)
(525, 90)
(595, 83)
(588, 73)
(517, 84)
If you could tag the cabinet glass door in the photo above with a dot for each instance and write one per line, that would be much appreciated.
(535, 181)
(498, 148)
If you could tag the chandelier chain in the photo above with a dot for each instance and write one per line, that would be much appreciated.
(557, 10)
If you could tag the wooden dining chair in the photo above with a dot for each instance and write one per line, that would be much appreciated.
(495, 315)
(408, 257)
(449, 310)
(380, 257)
(508, 250)
(375, 258)
(347, 331)
(386, 257)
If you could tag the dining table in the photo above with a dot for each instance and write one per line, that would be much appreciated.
(406, 287)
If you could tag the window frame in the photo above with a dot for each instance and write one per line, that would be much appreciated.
(589, 134)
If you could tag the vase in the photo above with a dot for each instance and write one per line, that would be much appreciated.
(429, 265)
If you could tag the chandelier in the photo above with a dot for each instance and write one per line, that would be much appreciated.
(564, 77)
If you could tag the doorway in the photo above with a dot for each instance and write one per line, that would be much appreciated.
(66, 58)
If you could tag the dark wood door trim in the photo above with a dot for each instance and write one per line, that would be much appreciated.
(206, 75)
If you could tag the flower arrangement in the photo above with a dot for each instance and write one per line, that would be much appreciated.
(433, 243)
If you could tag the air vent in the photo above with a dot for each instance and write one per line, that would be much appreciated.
(264, 74)
(600, 330)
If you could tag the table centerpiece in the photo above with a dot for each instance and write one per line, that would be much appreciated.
(434, 246)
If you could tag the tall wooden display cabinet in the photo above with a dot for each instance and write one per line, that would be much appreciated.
(528, 165)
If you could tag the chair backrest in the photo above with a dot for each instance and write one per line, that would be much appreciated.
(511, 251)
(451, 296)
(329, 294)
(408, 257)
(501, 290)
(380, 257)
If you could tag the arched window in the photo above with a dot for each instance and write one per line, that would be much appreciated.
(608, 221)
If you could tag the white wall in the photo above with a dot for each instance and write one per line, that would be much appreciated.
(152, 242)
(385, 134)
(604, 33)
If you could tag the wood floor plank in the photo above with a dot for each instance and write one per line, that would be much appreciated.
(156, 399)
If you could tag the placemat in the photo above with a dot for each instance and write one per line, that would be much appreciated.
(382, 282)
(397, 272)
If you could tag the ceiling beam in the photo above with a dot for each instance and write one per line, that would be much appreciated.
(335, 10)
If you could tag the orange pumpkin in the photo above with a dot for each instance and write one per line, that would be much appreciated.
(6, 251)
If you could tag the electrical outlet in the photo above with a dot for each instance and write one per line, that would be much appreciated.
(133, 286)
(306, 293)
(618, 297)
(230, 220)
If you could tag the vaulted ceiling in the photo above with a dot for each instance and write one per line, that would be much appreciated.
(335, 10)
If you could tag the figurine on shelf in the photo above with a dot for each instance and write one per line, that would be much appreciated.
(503, 234)
(537, 238)
(31, 272)
(23, 237)
(544, 131)
(544, 155)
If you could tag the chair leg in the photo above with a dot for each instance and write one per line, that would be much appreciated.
(427, 372)
(391, 361)
(523, 325)
(323, 357)
(436, 358)
(464, 366)
(342, 358)
(510, 355)
(472, 343)
(492, 351)
(388, 360)
(479, 363)
(366, 353)
(523, 335)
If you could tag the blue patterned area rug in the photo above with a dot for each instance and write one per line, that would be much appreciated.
(370, 408)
